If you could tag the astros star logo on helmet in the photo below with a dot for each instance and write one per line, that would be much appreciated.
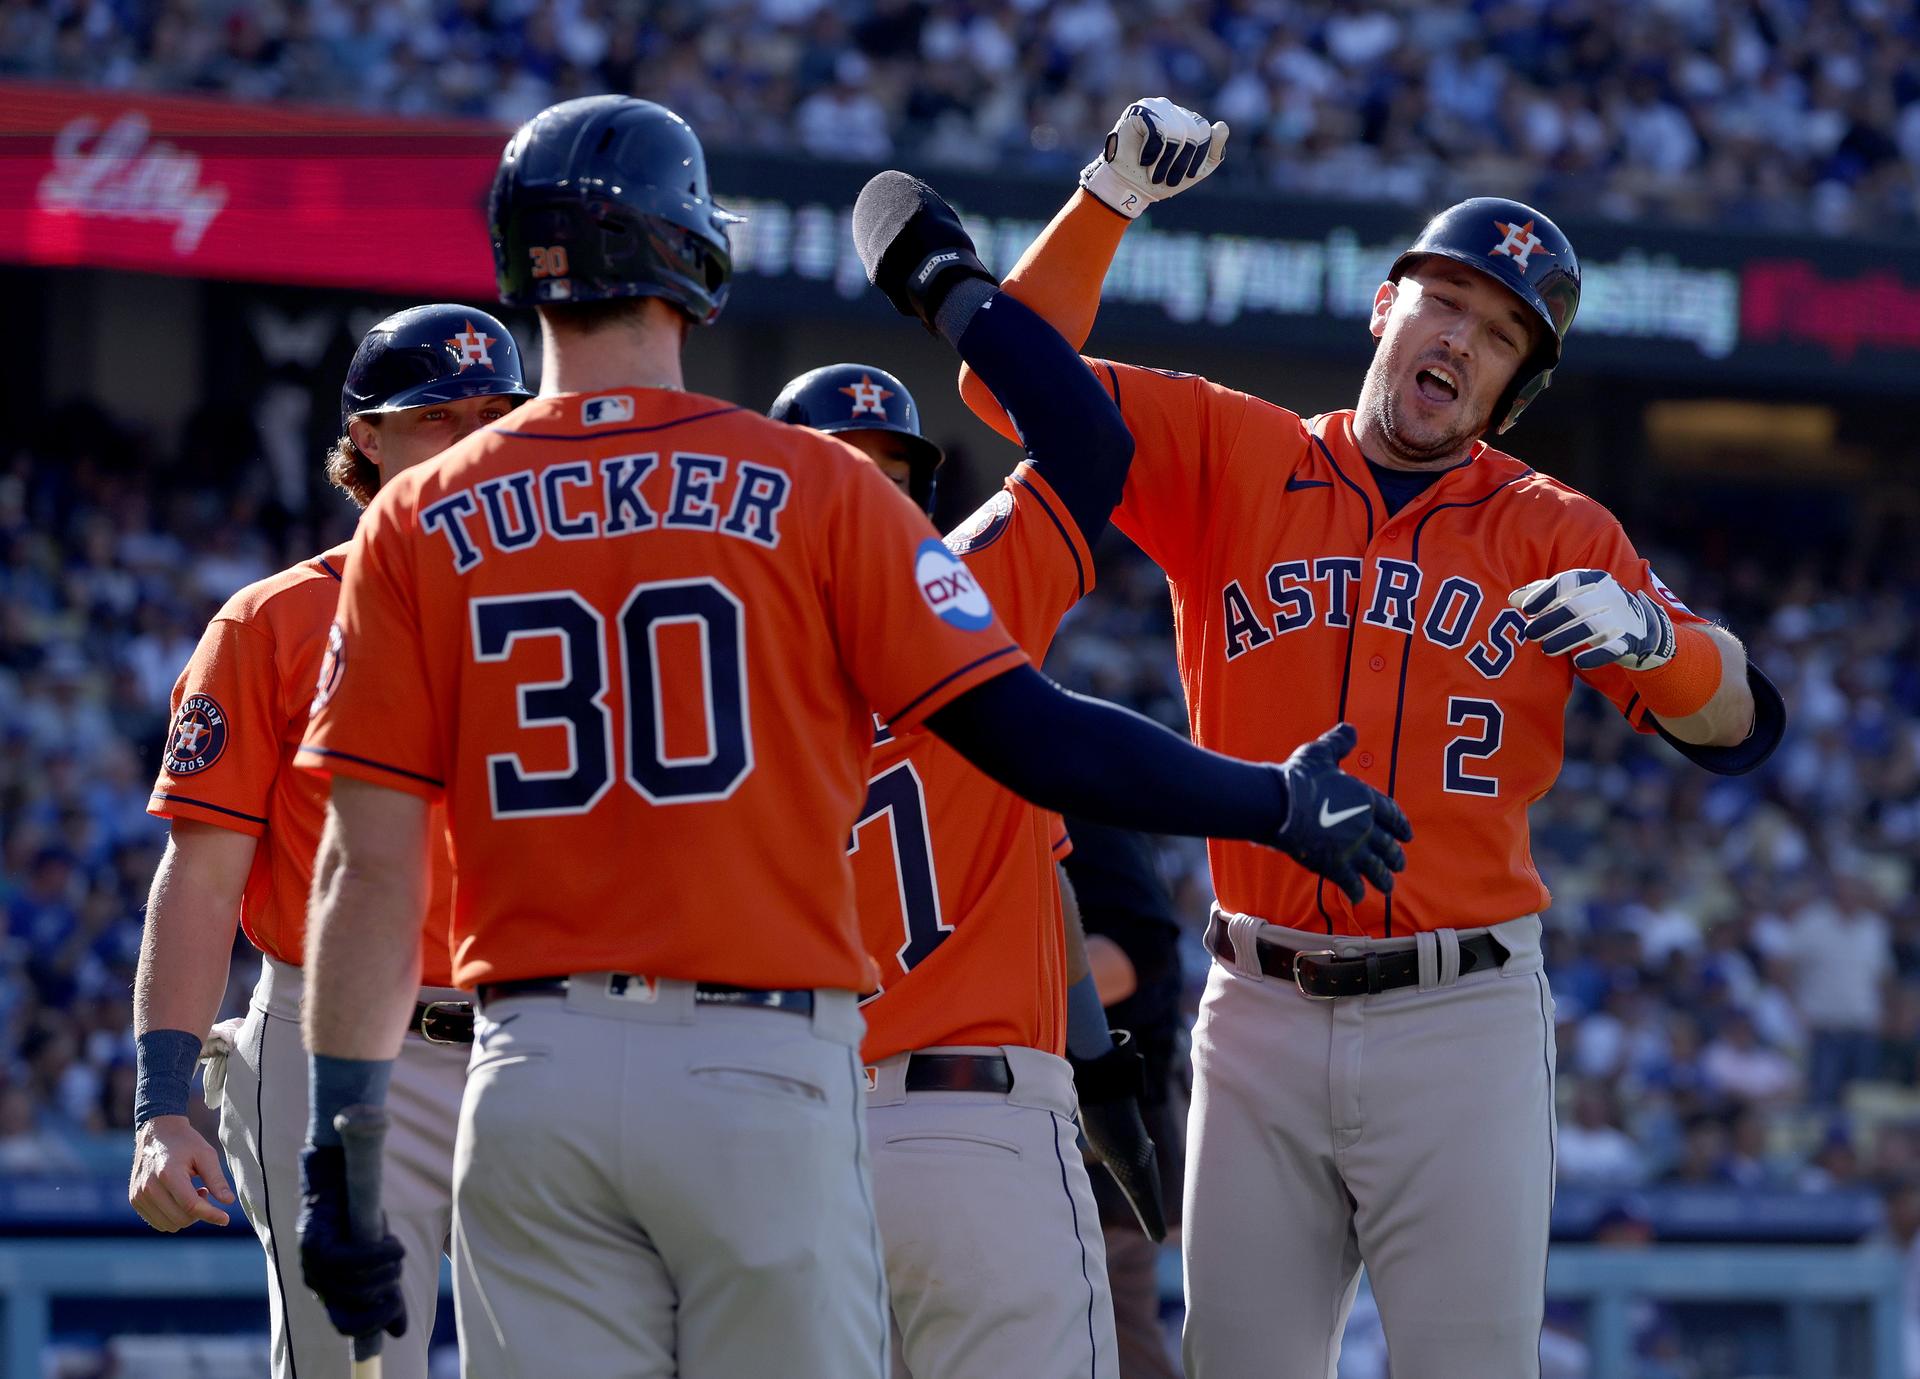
(1520, 244)
(472, 347)
(867, 396)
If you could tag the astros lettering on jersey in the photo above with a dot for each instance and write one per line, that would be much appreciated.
(649, 628)
(239, 710)
(954, 876)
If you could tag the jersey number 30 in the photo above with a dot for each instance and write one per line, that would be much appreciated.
(577, 700)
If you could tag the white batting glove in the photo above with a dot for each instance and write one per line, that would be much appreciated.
(1589, 613)
(1155, 150)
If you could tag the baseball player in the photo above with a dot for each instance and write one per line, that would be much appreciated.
(244, 830)
(971, 1105)
(634, 638)
(1374, 1078)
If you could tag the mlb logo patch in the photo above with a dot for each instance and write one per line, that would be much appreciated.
(624, 986)
(873, 1078)
(602, 411)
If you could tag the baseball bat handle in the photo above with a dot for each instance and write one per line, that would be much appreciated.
(363, 1133)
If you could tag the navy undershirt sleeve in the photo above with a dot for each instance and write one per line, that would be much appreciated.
(1072, 430)
(1075, 755)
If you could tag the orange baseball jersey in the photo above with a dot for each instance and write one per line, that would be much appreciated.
(239, 711)
(635, 640)
(1299, 601)
(954, 876)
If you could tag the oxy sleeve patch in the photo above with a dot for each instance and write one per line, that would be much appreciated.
(950, 589)
(1660, 588)
(198, 736)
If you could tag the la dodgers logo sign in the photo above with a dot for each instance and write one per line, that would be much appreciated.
(198, 738)
(470, 347)
(867, 397)
(1520, 244)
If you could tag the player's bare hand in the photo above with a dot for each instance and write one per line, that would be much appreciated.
(1155, 150)
(168, 1155)
(1336, 825)
(1589, 613)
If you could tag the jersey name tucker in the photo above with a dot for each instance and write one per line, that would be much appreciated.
(621, 495)
(1445, 609)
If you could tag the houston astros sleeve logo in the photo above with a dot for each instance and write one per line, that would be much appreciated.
(867, 397)
(198, 737)
(470, 347)
(333, 664)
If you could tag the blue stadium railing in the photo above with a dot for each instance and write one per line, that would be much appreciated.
(1841, 1303)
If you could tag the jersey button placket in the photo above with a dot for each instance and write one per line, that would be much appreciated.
(1377, 663)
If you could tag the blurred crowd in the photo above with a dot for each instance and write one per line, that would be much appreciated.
(1736, 960)
(1784, 113)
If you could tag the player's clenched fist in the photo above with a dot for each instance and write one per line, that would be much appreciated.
(1338, 826)
(1589, 613)
(1155, 150)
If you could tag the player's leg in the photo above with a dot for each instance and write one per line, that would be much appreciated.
(423, 1103)
(1270, 1256)
(995, 1259)
(552, 1273)
(263, 1125)
(1133, 1271)
(1453, 1174)
(764, 1213)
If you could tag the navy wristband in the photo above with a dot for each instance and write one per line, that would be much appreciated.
(163, 1062)
(333, 1084)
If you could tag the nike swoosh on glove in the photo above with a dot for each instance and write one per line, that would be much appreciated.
(1155, 150)
(1336, 825)
(359, 1284)
(1589, 613)
(1109, 1088)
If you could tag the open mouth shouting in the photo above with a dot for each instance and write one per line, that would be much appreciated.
(1438, 384)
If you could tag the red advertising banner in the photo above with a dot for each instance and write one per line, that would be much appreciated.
(211, 189)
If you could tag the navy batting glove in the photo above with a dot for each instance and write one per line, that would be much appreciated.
(912, 245)
(1337, 826)
(359, 1284)
(1110, 1088)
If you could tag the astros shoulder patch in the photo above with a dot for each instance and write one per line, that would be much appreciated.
(198, 736)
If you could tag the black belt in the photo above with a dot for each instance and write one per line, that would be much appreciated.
(443, 1022)
(1321, 974)
(959, 1072)
(704, 993)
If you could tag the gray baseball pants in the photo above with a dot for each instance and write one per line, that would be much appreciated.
(648, 1187)
(261, 1091)
(1411, 1130)
(994, 1255)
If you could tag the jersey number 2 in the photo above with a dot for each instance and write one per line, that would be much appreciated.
(896, 795)
(1474, 747)
(577, 700)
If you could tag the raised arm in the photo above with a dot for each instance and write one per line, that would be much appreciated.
(1155, 150)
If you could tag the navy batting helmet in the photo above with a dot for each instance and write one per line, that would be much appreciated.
(1524, 252)
(604, 197)
(859, 397)
(429, 354)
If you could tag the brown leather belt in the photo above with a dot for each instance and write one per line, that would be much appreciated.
(1322, 975)
(443, 1022)
(959, 1072)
